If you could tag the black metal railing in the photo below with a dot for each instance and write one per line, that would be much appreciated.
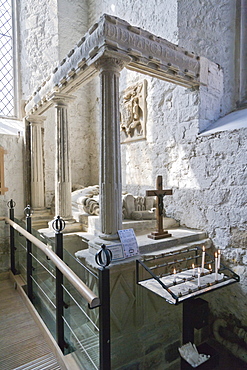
(77, 317)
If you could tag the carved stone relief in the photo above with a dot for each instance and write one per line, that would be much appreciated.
(133, 112)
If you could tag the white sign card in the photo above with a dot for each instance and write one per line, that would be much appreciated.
(117, 251)
(129, 242)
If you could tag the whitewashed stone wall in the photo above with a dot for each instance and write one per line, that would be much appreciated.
(48, 31)
(38, 42)
(208, 28)
(13, 178)
(144, 14)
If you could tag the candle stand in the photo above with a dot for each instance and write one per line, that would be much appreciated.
(180, 277)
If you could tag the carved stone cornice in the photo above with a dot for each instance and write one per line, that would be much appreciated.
(140, 50)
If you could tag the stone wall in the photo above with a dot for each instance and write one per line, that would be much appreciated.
(209, 29)
(38, 25)
(48, 31)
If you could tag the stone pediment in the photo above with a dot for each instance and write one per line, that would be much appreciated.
(139, 50)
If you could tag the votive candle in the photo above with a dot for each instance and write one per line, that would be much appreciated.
(174, 276)
(203, 258)
(216, 266)
(218, 258)
(199, 277)
(194, 271)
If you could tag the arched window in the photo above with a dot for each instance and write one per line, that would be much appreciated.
(8, 82)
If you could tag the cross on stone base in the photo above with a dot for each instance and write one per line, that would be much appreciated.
(160, 233)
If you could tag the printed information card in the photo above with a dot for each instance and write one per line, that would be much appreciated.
(129, 242)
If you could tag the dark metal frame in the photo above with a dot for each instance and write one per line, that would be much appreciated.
(233, 278)
(103, 258)
(58, 226)
(28, 213)
(11, 204)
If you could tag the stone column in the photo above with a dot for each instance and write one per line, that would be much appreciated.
(37, 162)
(63, 207)
(110, 156)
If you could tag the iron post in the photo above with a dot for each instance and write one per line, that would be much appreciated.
(11, 204)
(58, 226)
(28, 212)
(103, 259)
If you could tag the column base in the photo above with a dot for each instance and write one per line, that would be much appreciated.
(70, 225)
(40, 218)
(94, 245)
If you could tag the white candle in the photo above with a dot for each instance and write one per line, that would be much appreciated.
(218, 258)
(174, 276)
(210, 268)
(194, 270)
(216, 266)
(203, 258)
(198, 277)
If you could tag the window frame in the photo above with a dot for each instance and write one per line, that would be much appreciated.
(16, 63)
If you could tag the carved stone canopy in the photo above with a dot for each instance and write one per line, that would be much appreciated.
(135, 48)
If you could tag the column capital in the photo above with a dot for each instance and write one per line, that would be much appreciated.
(35, 119)
(61, 99)
(109, 64)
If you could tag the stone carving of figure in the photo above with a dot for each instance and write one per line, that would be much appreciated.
(133, 112)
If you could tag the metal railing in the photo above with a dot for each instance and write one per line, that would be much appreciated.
(64, 272)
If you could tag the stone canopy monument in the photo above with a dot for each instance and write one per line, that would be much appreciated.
(110, 45)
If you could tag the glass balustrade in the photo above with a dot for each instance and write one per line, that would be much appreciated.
(20, 251)
(81, 327)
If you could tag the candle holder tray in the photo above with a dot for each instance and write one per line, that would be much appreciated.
(171, 275)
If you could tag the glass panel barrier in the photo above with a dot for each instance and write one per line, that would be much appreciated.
(81, 323)
(89, 277)
(44, 288)
(20, 255)
(20, 251)
(81, 328)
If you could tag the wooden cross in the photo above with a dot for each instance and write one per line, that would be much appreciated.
(160, 233)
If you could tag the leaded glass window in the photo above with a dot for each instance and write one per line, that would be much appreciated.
(6, 59)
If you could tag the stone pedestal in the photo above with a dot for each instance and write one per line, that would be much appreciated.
(145, 329)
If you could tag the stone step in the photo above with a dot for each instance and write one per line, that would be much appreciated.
(180, 237)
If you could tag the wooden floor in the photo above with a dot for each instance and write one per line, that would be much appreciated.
(22, 345)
